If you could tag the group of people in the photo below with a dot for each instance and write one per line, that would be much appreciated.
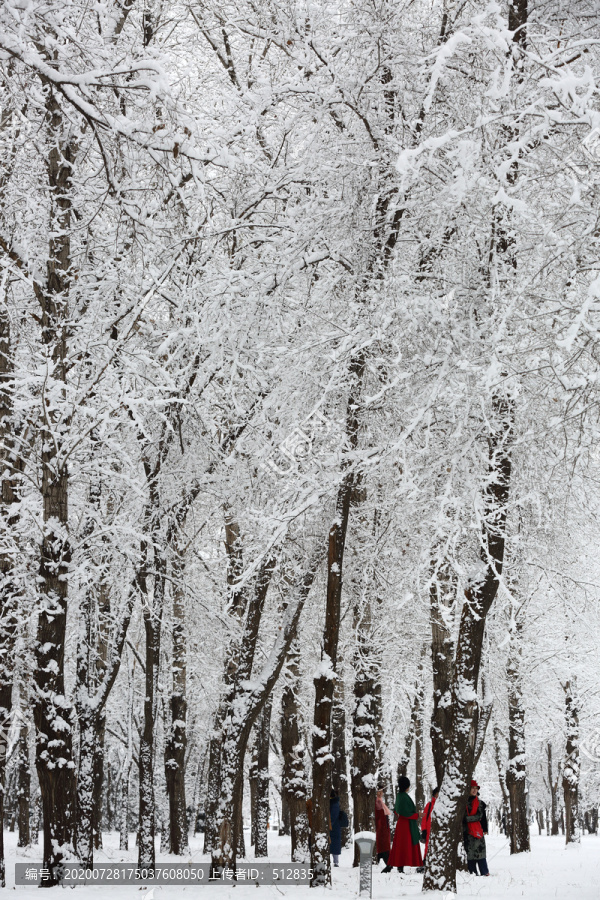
(406, 850)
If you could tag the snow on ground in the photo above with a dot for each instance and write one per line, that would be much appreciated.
(550, 870)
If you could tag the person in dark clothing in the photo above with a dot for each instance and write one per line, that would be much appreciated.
(337, 820)
(475, 827)
(382, 827)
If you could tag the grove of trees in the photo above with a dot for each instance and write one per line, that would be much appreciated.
(299, 403)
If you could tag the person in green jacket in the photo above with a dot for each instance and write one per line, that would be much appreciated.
(406, 849)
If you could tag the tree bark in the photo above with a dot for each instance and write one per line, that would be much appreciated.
(442, 596)
(176, 743)
(252, 781)
(236, 609)
(571, 765)
(339, 775)
(12, 468)
(293, 783)
(24, 790)
(53, 714)
(516, 772)
(498, 739)
(263, 782)
(365, 751)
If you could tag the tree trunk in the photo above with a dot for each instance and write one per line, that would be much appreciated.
(339, 775)
(440, 873)
(52, 712)
(236, 609)
(325, 678)
(124, 806)
(252, 781)
(249, 699)
(571, 766)
(419, 762)
(364, 723)
(498, 738)
(24, 790)
(516, 772)
(293, 782)
(147, 814)
(553, 787)
(176, 743)
(442, 596)
(263, 727)
(12, 468)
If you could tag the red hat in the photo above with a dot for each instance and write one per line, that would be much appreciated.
(474, 783)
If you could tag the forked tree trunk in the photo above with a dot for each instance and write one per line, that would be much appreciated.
(571, 765)
(263, 727)
(516, 771)
(249, 699)
(339, 775)
(440, 872)
(293, 783)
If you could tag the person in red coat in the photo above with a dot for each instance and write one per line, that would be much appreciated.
(382, 827)
(405, 849)
(426, 820)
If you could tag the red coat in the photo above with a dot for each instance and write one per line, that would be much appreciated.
(382, 827)
(426, 822)
(404, 852)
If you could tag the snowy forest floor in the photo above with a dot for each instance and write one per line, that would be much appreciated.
(549, 871)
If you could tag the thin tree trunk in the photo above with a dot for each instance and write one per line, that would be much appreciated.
(147, 814)
(176, 743)
(419, 754)
(498, 740)
(12, 467)
(24, 790)
(339, 775)
(262, 780)
(516, 771)
(252, 781)
(365, 755)
(325, 678)
(553, 787)
(571, 765)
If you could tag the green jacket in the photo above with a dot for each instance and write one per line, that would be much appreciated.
(405, 807)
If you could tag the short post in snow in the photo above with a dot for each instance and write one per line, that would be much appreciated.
(365, 841)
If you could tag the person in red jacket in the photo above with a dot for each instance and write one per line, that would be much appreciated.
(426, 820)
(382, 827)
(405, 849)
